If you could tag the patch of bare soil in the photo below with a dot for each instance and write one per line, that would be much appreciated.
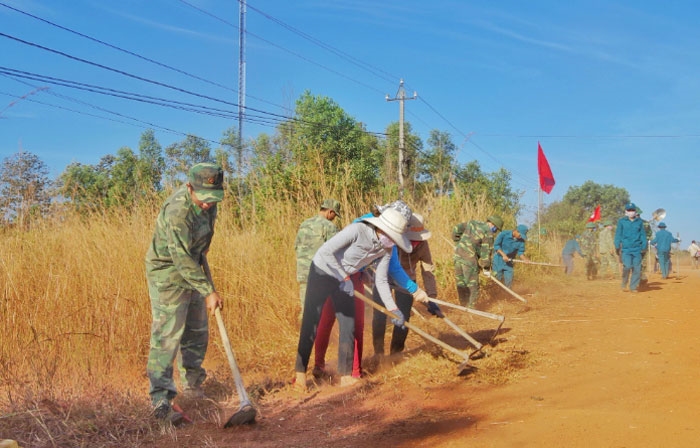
(582, 364)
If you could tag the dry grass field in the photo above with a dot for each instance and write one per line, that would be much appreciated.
(580, 362)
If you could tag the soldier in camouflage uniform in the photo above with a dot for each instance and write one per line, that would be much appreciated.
(646, 254)
(589, 245)
(473, 251)
(606, 251)
(180, 291)
(312, 233)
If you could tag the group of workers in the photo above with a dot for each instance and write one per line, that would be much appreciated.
(628, 245)
(382, 251)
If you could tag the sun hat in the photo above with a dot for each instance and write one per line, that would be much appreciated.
(399, 206)
(416, 229)
(662, 225)
(496, 221)
(392, 222)
(522, 228)
(331, 204)
(207, 180)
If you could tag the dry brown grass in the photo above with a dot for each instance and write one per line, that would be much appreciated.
(76, 315)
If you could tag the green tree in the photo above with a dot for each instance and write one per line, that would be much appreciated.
(86, 186)
(571, 214)
(151, 164)
(494, 187)
(24, 188)
(437, 165)
(180, 156)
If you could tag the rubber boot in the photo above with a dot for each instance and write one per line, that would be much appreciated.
(463, 293)
(473, 297)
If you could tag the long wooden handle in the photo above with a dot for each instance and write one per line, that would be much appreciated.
(412, 327)
(477, 345)
(469, 310)
(507, 289)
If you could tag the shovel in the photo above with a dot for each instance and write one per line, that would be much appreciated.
(246, 412)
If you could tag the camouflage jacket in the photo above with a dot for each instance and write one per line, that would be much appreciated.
(474, 239)
(589, 243)
(312, 233)
(182, 235)
(605, 241)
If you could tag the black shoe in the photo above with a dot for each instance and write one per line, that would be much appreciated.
(165, 413)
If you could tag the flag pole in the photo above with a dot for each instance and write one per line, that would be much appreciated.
(539, 208)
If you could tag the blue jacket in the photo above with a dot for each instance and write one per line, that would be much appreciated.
(570, 247)
(663, 240)
(511, 246)
(630, 235)
(396, 272)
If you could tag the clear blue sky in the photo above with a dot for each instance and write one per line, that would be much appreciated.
(610, 88)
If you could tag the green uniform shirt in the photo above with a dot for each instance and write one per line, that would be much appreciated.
(474, 239)
(312, 233)
(183, 234)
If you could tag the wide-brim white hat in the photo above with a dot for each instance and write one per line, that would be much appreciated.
(393, 224)
(416, 229)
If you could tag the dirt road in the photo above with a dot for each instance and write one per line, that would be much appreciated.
(601, 368)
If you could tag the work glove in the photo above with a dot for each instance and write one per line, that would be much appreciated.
(347, 287)
(399, 320)
(484, 263)
(486, 273)
(420, 296)
(434, 309)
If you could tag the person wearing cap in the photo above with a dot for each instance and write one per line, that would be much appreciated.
(589, 244)
(567, 254)
(350, 250)
(662, 241)
(312, 233)
(473, 251)
(398, 279)
(606, 251)
(646, 253)
(630, 241)
(509, 244)
(181, 293)
(410, 262)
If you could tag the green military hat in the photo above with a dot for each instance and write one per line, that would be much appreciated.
(496, 221)
(590, 225)
(331, 204)
(207, 180)
(607, 222)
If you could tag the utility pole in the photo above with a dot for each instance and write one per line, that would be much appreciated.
(241, 99)
(401, 97)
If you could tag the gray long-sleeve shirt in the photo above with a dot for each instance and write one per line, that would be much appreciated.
(350, 250)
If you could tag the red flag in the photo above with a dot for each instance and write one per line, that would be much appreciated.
(545, 172)
(595, 216)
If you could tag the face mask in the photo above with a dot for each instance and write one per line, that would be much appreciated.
(630, 213)
(494, 229)
(387, 242)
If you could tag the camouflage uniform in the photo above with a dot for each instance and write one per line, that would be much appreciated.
(589, 245)
(312, 233)
(473, 250)
(606, 251)
(178, 287)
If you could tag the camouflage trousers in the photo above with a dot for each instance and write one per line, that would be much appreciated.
(467, 277)
(179, 331)
(609, 265)
(591, 267)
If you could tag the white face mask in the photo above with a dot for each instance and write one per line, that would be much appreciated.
(387, 242)
(630, 213)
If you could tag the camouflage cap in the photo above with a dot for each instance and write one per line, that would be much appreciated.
(496, 221)
(331, 204)
(207, 180)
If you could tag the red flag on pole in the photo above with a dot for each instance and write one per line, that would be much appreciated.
(595, 216)
(545, 172)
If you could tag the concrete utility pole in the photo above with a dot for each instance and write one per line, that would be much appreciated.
(241, 98)
(401, 97)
